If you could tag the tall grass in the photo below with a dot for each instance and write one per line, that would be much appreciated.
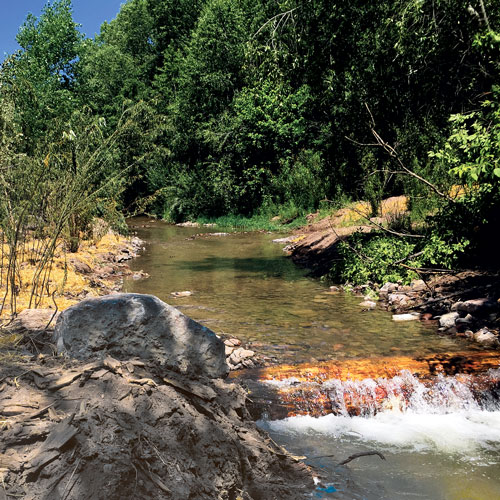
(50, 197)
(268, 218)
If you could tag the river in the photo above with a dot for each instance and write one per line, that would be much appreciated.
(442, 445)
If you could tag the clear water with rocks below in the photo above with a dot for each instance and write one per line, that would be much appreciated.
(244, 286)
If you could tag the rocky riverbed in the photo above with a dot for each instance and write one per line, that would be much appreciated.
(464, 304)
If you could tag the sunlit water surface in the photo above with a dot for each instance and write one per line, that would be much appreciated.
(242, 285)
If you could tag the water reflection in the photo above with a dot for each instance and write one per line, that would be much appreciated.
(242, 285)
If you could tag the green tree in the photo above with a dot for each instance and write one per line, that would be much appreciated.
(41, 74)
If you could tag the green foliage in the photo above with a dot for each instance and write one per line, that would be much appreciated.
(41, 75)
(380, 258)
(472, 151)
(246, 107)
(253, 100)
(301, 181)
(269, 218)
(471, 155)
(362, 260)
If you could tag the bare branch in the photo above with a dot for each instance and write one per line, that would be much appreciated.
(391, 151)
(280, 16)
(353, 457)
(362, 454)
(485, 17)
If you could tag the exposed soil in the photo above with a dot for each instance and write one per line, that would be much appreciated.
(315, 245)
(114, 430)
(103, 268)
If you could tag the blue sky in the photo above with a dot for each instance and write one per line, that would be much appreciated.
(89, 13)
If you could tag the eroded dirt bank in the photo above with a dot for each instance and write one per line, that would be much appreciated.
(120, 429)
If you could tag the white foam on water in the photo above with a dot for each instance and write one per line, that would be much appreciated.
(443, 418)
(460, 433)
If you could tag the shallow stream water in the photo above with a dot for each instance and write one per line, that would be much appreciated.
(242, 285)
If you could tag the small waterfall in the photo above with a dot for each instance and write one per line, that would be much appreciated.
(365, 387)
(403, 392)
(457, 415)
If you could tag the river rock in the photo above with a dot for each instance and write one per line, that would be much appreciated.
(389, 288)
(188, 224)
(232, 342)
(448, 320)
(405, 317)
(398, 299)
(185, 293)
(33, 321)
(465, 323)
(418, 286)
(80, 267)
(484, 336)
(287, 239)
(239, 355)
(476, 306)
(135, 325)
(368, 304)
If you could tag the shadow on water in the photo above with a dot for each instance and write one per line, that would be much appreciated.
(243, 285)
(265, 267)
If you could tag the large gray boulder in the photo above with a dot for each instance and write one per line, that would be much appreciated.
(136, 325)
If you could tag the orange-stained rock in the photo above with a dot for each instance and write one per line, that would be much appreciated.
(366, 386)
(387, 367)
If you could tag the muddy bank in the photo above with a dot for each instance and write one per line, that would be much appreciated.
(97, 268)
(315, 246)
(112, 430)
(104, 266)
(141, 413)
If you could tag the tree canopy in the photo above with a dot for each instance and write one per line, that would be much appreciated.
(249, 105)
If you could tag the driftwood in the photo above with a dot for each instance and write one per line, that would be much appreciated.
(362, 454)
(39, 413)
(350, 458)
(449, 296)
(65, 380)
(66, 491)
(153, 478)
(50, 449)
(72, 376)
(113, 364)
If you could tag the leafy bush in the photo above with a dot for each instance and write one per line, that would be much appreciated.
(380, 258)
(371, 258)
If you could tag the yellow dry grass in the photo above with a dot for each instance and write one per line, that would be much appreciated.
(358, 213)
(395, 205)
(64, 283)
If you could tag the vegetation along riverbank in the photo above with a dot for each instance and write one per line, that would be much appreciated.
(368, 130)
